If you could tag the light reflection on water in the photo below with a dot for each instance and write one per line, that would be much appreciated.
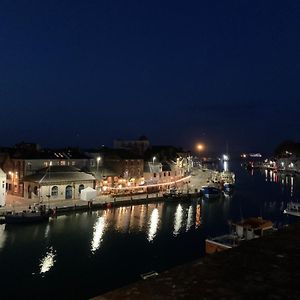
(178, 220)
(153, 224)
(47, 262)
(110, 246)
(98, 232)
(2, 235)
(190, 218)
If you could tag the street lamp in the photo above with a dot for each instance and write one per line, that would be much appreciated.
(154, 158)
(200, 147)
(98, 160)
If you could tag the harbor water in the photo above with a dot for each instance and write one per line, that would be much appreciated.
(81, 255)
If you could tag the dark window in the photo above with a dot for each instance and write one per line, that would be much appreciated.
(68, 192)
(54, 191)
(81, 187)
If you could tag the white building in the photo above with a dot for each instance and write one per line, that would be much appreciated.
(2, 187)
(57, 183)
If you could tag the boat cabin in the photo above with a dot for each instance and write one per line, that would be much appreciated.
(252, 228)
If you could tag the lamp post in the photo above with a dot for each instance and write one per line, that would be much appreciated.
(98, 160)
(153, 159)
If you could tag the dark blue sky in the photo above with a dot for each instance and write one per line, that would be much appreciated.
(86, 72)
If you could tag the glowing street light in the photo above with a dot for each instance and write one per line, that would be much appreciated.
(98, 160)
(154, 158)
(200, 147)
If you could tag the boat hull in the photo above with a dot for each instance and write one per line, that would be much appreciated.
(25, 219)
(211, 192)
(292, 213)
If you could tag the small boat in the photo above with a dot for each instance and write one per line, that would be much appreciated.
(149, 275)
(221, 243)
(210, 191)
(293, 209)
(242, 231)
(228, 187)
(227, 176)
(175, 196)
(33, 216)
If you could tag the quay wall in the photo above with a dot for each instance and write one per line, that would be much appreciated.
(265, 268)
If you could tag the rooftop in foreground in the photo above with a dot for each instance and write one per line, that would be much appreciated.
(265, 268)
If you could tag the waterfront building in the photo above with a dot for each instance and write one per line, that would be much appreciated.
(164, 174)
(116, 169)
(2, 187)
(288, 164)
(56, 183)
(26, 159)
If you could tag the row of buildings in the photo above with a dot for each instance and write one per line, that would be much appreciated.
(286, 164)
(129, 167)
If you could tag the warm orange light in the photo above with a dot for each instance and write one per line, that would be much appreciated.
(200, 147)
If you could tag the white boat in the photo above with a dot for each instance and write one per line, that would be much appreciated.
(293, 209)
(242, 231)
(228, 177)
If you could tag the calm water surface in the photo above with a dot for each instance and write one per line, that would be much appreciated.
(85, 254)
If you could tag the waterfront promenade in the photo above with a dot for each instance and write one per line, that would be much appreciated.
(197, 179)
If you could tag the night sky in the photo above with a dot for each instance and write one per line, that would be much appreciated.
(82, 73)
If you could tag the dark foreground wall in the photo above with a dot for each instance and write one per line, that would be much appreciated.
(267, 268)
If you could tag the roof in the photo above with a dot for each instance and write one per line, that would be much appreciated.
(255, 223)
(58, 174)
(49, 154)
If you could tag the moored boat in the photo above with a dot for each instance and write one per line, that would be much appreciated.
(40, 214)
(242, 231)
(210, 191)
(293, 209)
(26, 217)
(228, 187)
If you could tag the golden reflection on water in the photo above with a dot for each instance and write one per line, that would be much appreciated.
(48, 261)
(198, 215)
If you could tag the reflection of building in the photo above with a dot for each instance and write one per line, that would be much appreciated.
(56, 182)
(198, 215)
(2, 187)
